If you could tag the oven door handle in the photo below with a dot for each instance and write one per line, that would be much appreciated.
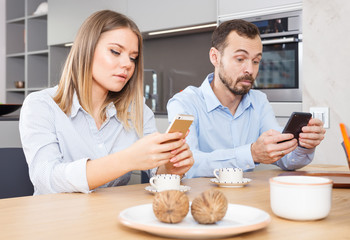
(280, 40)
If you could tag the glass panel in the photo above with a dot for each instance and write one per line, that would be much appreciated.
(279, 67)
(272, 25)
(178, 61)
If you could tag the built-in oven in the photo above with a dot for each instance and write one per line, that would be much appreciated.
(280, 69)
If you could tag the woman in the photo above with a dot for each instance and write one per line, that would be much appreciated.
(88, 132)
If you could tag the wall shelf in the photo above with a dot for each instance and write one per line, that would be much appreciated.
(15, 89)
(27, 54)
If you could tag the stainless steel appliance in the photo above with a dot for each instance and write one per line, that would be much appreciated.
(280, 69)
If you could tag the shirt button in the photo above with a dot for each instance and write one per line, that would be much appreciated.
(293, 160)
(248, 166)
(100, 145)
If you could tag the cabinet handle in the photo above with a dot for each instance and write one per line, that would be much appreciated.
(280, 40)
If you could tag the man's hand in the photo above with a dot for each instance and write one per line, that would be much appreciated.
(312, 134)
(267, 149)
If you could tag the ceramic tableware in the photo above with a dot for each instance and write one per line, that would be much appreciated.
(242, 183)
(164, 182)
(238, 219)
(229, 175)
(301, 197)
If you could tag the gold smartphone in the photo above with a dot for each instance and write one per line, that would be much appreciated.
(181, 123)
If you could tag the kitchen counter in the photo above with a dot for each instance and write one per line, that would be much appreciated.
(9, 132)
(9, 118)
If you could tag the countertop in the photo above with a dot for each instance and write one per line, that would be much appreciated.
(9, 117)
(15, 117)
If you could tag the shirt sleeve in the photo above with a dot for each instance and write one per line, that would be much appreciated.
(149, 126)
(298, 158)
(47, 169)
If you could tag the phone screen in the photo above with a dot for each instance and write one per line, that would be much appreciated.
(296, 122)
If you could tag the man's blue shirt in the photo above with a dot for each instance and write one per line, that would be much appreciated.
(219, 139)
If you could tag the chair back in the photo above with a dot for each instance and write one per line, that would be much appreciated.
(14, 175)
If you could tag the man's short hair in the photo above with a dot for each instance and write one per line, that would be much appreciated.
(241, 27)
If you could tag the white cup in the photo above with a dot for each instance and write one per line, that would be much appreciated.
(229, 175)
(301, 197)
(164, 182)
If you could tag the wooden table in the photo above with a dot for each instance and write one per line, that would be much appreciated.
(95, 215)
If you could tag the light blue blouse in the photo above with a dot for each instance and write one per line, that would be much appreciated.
(58, 146)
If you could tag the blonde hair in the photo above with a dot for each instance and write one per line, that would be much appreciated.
(77, 72)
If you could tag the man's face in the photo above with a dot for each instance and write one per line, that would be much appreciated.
(238, 64)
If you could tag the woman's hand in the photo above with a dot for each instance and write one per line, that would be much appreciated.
(155, 150)
(149, 152)
(180, 163)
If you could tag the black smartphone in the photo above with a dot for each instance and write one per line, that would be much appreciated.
(296, 122)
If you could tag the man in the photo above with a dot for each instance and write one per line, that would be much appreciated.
(234, 125)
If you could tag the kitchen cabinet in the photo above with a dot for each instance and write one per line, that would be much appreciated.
(64, 20)
(283, 110)
(66, 16)
(9, 136)
(248, 8)
(153, 15)
(26, 49)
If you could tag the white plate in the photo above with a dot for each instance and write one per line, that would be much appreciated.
(244, 182)
(238, 219)
(183, 188)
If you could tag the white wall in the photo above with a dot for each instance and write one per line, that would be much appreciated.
(2, 51)
(326, 75)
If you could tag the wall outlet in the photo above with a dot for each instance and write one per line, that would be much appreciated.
(321, 113)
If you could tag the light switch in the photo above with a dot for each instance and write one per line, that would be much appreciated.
(321, 113)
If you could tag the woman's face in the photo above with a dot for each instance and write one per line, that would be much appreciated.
(114, 60)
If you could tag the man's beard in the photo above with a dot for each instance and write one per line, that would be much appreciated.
(228, 82)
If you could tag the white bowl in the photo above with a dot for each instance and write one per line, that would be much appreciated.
(301, 197)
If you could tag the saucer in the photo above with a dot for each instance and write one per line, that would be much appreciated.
(183, 188)
(244, 182)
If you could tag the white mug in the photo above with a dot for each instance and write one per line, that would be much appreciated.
(164, 182)
(301, 198)
(229, 175)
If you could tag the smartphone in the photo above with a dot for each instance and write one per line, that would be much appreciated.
(181, 123)
(296, 122)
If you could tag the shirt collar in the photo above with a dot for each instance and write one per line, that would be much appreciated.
(245, 103)
(213, 102)
(75, 106)
(110, 110)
